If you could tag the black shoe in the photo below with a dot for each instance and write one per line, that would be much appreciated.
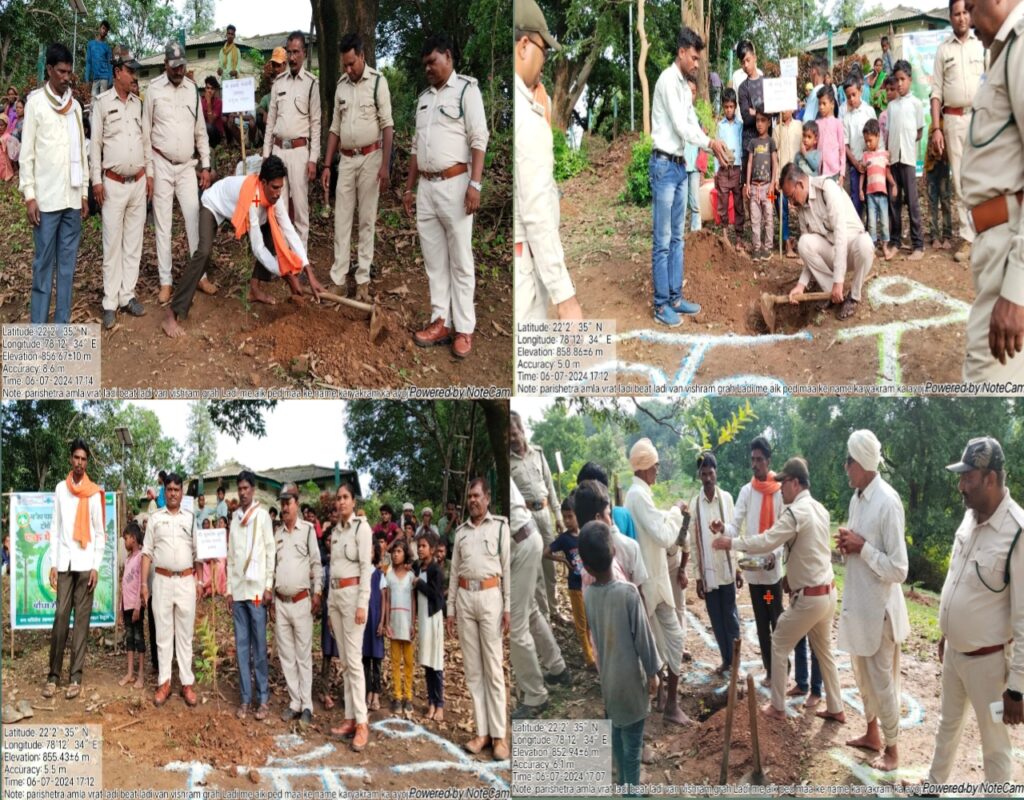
(134, 307)
(306, 718)
(562, 678)
(524, 711)
(108, 319)
(288, 715)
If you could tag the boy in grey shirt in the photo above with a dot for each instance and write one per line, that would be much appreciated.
(626, 652)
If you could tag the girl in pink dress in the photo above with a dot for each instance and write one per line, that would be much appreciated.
(831, 139)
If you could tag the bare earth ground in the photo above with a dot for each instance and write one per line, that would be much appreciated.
(802, 750)
(234, 343)
(175, 747)
(910, 331)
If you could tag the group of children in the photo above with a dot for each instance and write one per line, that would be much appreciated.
(834, 137)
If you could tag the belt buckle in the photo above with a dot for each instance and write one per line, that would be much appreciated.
(129, 178)
(286, 144)
(435, 177)
(474, 585)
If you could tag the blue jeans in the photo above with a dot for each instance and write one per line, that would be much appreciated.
(56, 241)
(693, 200)
(878, 214)
(627, 746)
(725, 622)
(251, 634)
(783, 204)
(801, 652)
(669, 188)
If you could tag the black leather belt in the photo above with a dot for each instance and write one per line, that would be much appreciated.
(523, 533)
(681, 160)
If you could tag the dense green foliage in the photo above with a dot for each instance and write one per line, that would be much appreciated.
(569, 161)
(638, 183)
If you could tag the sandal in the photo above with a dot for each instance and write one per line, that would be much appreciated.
(73, 691)
(848, 309)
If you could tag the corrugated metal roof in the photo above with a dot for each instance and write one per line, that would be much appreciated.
(263, 42)
(891, 17)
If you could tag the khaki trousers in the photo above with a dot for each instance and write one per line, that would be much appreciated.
(979, 680)
(878, 679)
(811, 617)
(818, 254)
(293, 632)
(479, 623)
(296, 189)
(547, 600)
(668, 636)
(170, 181)
(446, 238)
(124, 219)
(532, 645)
(174, 611)
(357, 184)
(954, 130)
(341, 611)
(989, 255)
(678, 593)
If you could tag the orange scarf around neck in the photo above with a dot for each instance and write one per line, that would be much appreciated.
(767, 489)
(83, 491)
(250, 194)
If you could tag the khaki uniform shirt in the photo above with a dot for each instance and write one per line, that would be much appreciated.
(172, 122)
(993, 162)
(957, 73)
(294, 111)
(171, 540)
(971, 614)
(352, 554)
(118, 139)
(533, 477)
(359, 116)
(445, 133)
(803, 528)
(480, 551)
(251, 544)
(297, 564)
(829, 212)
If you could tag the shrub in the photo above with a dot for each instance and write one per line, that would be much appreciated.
(638, 183)
(569, 162)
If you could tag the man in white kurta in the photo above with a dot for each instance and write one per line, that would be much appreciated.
(874, 618)
(657, 531)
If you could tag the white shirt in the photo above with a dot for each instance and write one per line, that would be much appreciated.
(853, 126)
(714, 567)
(221, 199)
(674, 122)
(45, 174)
(747, 520)
(906, 117)
(258, 534)
(874, 575)
(67, 554)
(656, 531)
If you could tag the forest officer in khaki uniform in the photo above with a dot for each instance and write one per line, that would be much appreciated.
(992, 178)
(363, 130)
(293, 130)
(478, 597)
(120, 186)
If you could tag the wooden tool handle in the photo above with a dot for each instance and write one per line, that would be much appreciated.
(337, 298)
(806, 297)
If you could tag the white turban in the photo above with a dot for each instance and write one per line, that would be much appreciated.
(643, 455)
(865, 449)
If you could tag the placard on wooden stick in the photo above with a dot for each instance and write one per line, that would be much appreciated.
(779, 95)
(238, 95)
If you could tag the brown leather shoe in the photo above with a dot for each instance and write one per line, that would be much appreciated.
(207, 287)
(348, 727)
(474, 746)
(361, 738)
(165, 295)
(189, 694)
(434, 334)
(462, 345)
(163, 691)
(500, 750)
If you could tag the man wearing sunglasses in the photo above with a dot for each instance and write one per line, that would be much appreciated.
(803, 527)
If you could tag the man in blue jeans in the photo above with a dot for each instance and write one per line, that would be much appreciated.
(99, 70)
(54, 183)
(251, 557)
(674, 125)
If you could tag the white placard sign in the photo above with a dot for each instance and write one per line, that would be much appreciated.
(788, 67)
(211, 543)
(188, 503)
(238, 95)
(779, 95)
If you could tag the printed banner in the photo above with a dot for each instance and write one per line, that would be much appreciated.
(33, 601)
(919, 49)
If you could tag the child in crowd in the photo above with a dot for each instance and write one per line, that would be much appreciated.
(876, 184)
(693, 157)
(398, 616)
(891, 93)
(626, 654)
(787, 135)
(857, 113)
(429, 614)
(762, 178)
(567, 544)
(819, 68)
(131, 605)
(808, 160)
(936, 170)
(906, 124)
(6, 165)
(373, 634)
(729, 178)
(831, 141)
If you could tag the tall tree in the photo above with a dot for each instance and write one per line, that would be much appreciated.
(201, 442)
(641, 66)
(239, 417)
(198, 16)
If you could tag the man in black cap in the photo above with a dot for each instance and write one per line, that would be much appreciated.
(981, 649)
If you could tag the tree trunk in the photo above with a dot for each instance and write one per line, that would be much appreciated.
(569, 85)
(496, 417)
(695, 17)
(641, 67)
(335, 18)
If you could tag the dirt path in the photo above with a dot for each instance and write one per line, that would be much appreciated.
(909, 331)
(804, 748)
